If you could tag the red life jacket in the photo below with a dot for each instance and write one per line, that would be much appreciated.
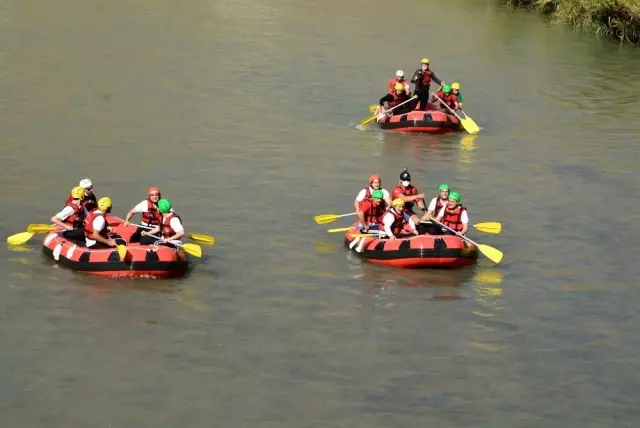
(373, 213)
(167, 230)
(406, 191)
(425, 81)
(88, 224)
(398, 221)
(453, 219)
(89, 203)
(392, 84)
(439, 205)
(152, 216)
(451, 99)
(397, 99)
(77, 218)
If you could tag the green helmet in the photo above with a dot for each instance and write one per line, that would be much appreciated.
(446, 89)
(455, 196)
(377, 194)
(442, 187)
(164, 206)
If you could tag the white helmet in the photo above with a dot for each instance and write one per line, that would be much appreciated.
(399, 73)
(85, 183)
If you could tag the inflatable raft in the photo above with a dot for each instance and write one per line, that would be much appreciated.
(430, 121)
(141, 261)
(430, 250)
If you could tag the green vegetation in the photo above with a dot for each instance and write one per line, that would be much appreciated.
(615, 18)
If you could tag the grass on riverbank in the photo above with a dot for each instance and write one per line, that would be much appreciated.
(615, 18)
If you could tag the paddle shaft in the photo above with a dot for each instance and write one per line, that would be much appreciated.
(391, 109)
(461, 236)
(450, 109)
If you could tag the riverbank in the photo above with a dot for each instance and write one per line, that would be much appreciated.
(615, 18)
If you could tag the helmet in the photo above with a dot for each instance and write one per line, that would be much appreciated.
(399, 73)
(104, 203)
(397, 202)
(377, 194)
(153, 190)
(455, 196)
(373, 178)
(405, 176)
(86, 183)
(77, 192)
(424, 61)
(399, 87)
(446, 89)
(442, 187)
(164, 206)
(455, 85)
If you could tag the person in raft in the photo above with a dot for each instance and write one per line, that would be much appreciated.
(96, 228)
(371, 211)
(149, 213)
(398, 97)
(89, 202)
(447, 97)
(170, 225)
(454, 215)
(396, 218)
(455, 88)
(437, 203)
(399, 79)
(365, 194)
(409, 194)
(71, 218)
(422, 79)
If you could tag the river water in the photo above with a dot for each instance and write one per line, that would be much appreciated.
(243, 112)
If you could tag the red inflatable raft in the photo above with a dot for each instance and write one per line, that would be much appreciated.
(413, 252)
(141, 261)
(431, 121)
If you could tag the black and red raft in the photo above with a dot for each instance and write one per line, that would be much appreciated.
(431, 121)
(432, 249)
(141, 261)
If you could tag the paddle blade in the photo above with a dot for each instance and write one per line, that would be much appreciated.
(364, 235)
(491, 253)
(326, 218)
(122, 251)
(41, 228)
(193, 249)
(19, 238)
(469, 125)
(489, 227)
(204, 239)
(373, 108)
(340, 229)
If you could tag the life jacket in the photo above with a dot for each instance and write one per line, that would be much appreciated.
(406, 191)
(167, 230)
(77, 218)
(152, 216)
(439, 205)
(397, 99)
(89, 203)
(398, 221)
(451, 99)
(425, 79)
(88, 224)
(373, 213)
(453, 219)
(392, 84)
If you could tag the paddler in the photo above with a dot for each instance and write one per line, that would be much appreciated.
(72, 216)
(438, 202)
(148, 210)
(454, 215)
(397, 97)
(170, 225)
(399, 79)
(371, 211)
(96, 228)
(89, 202)
(422, 79)
(409, 194)
(455, 88)
(396, 218)
(365, 194)
(447, 97)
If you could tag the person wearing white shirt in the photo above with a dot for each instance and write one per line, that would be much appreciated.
(395, 219)
(374, 183)
(71, 218)
(437, 203)
(149, 213)
(96, 228)
(171, 226)
(453, 215)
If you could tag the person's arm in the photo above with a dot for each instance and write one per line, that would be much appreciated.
(140, 208)
(387, 197)
(98, 225)
(411, 223)
(153, 231)
(59, 218)
(176, 225)
(441, 213)
(386, 98)
(387, 221)
(464, 218)
(435, 79)
(359, 199)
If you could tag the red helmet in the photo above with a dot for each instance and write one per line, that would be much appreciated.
(374, 177)
(153, 190)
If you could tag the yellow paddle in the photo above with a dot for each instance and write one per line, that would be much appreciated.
(329, 218)
(489, 227)
(193, 249)
(340, 229)
(369, 119)
(198, 237)
(41, 228)
(491, 253)
(19, 238)
(468, 124)
(122, 251)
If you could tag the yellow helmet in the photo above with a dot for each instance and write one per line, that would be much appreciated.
(397, 202)
(104, 203)
(77, 192)
(399, 87)
(455, 85)
(424, 61)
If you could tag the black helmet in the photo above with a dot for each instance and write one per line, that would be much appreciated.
(405, 176)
